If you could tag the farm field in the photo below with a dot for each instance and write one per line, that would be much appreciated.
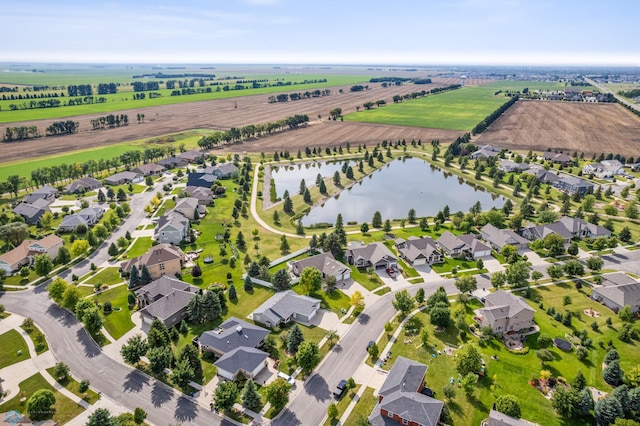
(582, 127)
(459, 109)
(220, 114)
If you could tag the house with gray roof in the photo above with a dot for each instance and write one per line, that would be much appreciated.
(511, 166)
(486, 151)
(556, 157)
(88, 217)
(375, 255)
(192, 156)
(202, 179)
(165, 299)
(504, 312)
(188, 206)
(463, 246)
(82, 185)
(325, 263)
(204, 195)
(574, 185)
(71, 222)
(538, 232)
(222, 170)
(604, 169)
(236, 344)
(123, 177)
(172, 162)
(401, 399)
(580, 228)
(618, 290)
(46, 192)
(543, 175)
(498, 238)
(172, 228)
(418, 251)
(496, 418)
(284, 307)
(30, 213)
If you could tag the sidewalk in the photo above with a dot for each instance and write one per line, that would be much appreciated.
(113, 348)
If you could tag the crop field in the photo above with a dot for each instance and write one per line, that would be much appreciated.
(531, 85)
(582, 127)
(220, 114)
(459, 109)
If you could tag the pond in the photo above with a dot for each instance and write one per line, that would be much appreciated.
(287, 178)
(401, 185)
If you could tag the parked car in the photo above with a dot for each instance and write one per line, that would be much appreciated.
(288, 378)
(339, 390)
(371, 343)
(391, 272)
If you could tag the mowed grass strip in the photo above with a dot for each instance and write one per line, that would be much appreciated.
(10, 343)
(459, 109)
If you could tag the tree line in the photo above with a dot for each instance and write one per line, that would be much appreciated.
(20, 133)
(80, 90)
(482, 126)
(143, 86)
(285, 97)
(110, 120)
(62, 128)
(252, 130)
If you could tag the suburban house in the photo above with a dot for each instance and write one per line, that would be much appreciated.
(555, 157)
(574, 185)
(192, 156)
(604, 169)
(511, 166)
(568, 228)
(418, 251)
(496, 418)
(222, 170)
(403, 398)
(123, 177)
(172, 228)
(71, 222)
(46, 193)
(543, 175)
(202, 179)
(88, 217)
(23, 255)
(236, 343)
(30, 213)
(499, 238)
(82, 185)
(172, 162)
(617, 290)
(284, 307)
(165, 299)
(486, 151)
(188, 206)
(325, 263)
(149, 169)
(504, 312)
(463, 246)
(375, 255)
(204, 195)
(162, 259)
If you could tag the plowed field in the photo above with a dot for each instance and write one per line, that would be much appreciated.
(581, 127)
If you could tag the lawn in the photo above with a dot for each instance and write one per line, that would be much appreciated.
(369, 280)
(17, 279)
(363, 407)
(335, 301)
(108, 276)
(342, 405)
(459, 109)
(139, 247)
(73, 386)
(64, 408)
(11, 343)
(450, 263)
(313, 333)
(118, 322)
(35, 334)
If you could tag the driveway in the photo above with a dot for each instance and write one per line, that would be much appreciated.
(427, 273)
(324, 319)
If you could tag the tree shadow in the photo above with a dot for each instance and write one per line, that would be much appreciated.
(90, 348)
(186, 410)
(135, 381)
(63, 316)
(363, 319)
(160, 394)
(318, 387)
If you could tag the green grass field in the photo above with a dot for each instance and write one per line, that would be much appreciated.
(10, 343)
(458, 109)
(118, 322)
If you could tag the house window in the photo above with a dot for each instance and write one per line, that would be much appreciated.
(162, 266)
(389, 414)
(405, 422)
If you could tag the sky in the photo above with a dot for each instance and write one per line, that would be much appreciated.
(402, 32)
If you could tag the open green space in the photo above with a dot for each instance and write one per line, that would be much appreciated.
(140, 247)
(72, 385)
(108, 276)
(13, 348)
(459, 109)
(38, 339)
(118, 321)
(342, 405)
(63, 410)
(363, 407)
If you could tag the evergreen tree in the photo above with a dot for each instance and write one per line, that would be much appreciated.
(113, 250)
(190, 353)
(232, 293)
(250, 397)
(158, 335)
(612, 374)
(248, 284)
(145, 277)
(294, 339)
(607, 410)
(134, 277)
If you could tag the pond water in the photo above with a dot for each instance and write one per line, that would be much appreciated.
(287, 178)
(396, 188)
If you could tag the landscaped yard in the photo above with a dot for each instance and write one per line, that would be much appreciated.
(369, 280)
(335, 301)
(11, 343)
(64, 408)
(342, 405)
(140, 247)
(363, 407)
(108, 276)
(73, 385)
(118, 322)
(314, 334)
(38, 339)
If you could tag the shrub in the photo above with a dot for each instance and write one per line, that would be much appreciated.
(107, 308)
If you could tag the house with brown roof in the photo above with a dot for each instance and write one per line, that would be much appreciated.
(463, 246)
(618, 290)
(403, 398)
(556, 157)
(173, 162)
(24, 254)
(504, 312)
(149, 169)
(162, 259)
(325, 263)
(375, 255)
(166, 299)
(418, 251)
